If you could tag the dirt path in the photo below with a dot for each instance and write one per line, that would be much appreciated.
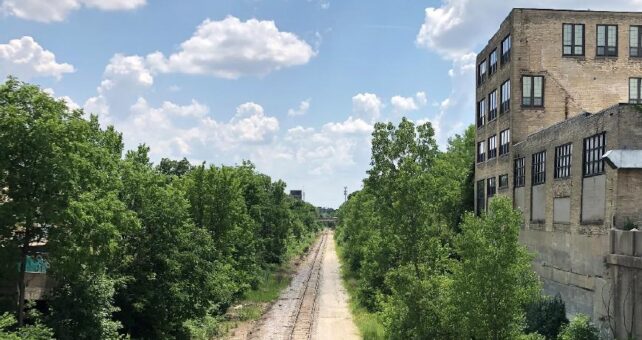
(333, 318)
(314, 306)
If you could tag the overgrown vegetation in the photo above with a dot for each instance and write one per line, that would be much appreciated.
(152, 252)
(417, 260)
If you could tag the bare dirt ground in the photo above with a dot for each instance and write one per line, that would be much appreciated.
(333, 318)
(314, 306)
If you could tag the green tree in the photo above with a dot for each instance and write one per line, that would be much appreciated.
(53, 162)
(172, 275)
(494, 279)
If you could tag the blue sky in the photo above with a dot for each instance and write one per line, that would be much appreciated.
(294, 86)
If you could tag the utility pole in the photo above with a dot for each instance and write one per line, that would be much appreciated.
(345, 194)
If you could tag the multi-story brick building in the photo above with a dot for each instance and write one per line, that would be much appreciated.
(549, 84)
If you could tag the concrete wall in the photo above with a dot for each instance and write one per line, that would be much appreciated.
(625, 262)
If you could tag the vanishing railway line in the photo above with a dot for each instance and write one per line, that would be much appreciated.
(292, 316)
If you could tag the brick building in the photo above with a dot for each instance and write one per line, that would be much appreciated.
(549, 88)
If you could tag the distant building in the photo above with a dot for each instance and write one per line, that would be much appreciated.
(549, 88)
(298, 194)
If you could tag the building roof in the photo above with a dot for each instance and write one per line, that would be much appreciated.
(624, 159)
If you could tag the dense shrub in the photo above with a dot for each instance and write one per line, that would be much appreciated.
(546, 316)
(580, 328)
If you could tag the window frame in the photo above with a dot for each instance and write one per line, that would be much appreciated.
(492, 153)
(481, 196)
(490, 180)
(481, 151)
(532, 94)
(639, 41)
(538, 168)
(504, 105)
(500, 186)
(519, 172)
(492, 67)
(481, 113)
(606, 40)
(563, 161)
(588, 155)
(504, 148)
(573, 45)
(492, 112)
(505, 54)
(481, 77)
(638, 100)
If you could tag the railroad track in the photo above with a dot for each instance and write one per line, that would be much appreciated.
(305, 313)
(291, 317)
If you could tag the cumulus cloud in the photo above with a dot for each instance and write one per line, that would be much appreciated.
(367, 105)
(72, 105)
(303, 108)
(232, 48)
(406, 104)
(349, 126)
(26, 59)
(58, 10)
(125, 78)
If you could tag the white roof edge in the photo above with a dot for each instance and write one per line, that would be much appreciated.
(624, 159)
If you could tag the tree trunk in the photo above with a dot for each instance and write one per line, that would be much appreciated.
(21, 281)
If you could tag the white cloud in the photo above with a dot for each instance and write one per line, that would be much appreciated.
(232, 48)
(250, 124)
(72, 105)
(367, 105)
(421, 98)
(349, 126)
(402, 105)
(58, 10)
(125, 79)
(26, 59)
(303, 108)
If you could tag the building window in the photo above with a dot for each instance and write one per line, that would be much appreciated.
(492, 68)
(492, 147)
(635, 97)
(481, 113)
(503, 181)
(492, 105)
(593, 151)
(539, 168)
(533, 91)
(606, 40)
(491, 187)
(481, 72)
(573, 40)
(563, 160)
(520, 172)
(506, 46)
(481, 151)
(504, 142)
(505, 105)
(635, 41)
(481, 197)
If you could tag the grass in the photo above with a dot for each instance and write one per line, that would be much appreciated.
(368, 323)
